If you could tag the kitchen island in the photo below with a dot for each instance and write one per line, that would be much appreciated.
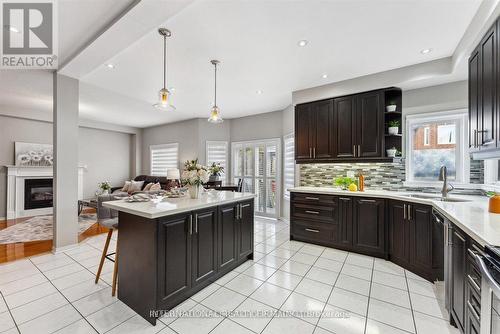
(170, 250)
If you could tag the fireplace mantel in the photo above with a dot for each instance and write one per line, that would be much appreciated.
(16, 175)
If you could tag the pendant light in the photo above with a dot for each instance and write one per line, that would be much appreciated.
(215, 113)
(164, 94)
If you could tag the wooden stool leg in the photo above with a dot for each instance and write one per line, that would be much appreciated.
(115, 272)
(103, 257)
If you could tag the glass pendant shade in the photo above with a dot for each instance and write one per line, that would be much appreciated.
(164, 101)
(215, 115)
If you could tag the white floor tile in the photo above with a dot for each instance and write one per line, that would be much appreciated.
(177, 311)
(15, 266)
(110, 316)
(360, 260)
(228, 326)
(244, 284)
(51, 322)
(70, 280)
(200, 325)
(64, 271)
(388, 267)
(304, 258)
(334, 254)
(421, 287)
(136, 325)
(314, 289)
(54, 263)
(272, 261)
(357, 271)
(94, 302)
(353, 284)
(38, 307)
(284, 280)
(310, 309)
(260, 271)
(312, 250)
(390, 295)
(322, 275)
(429, 306)
(15, 275)
(391, 314)
(28, 295)
(227, 277)
(83, 289)
(329, 264)
(428, 324)
(394, 281)
(22, 284)
(205, 292)
(296, 268)
(6, 321)
(288, 325)
(223, 300)
(349, 301)
(282, 253)
(245, 315)
(271, 295)
(339, 321)
(375, 327)
(79, 327)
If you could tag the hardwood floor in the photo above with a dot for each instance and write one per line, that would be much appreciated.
(19, 250)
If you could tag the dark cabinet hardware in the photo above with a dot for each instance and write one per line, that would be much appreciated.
(311, 230)
(473, 311)
(474, 284)
(313, 198)
(313, 212)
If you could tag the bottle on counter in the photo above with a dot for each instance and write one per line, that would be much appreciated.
(361, 182)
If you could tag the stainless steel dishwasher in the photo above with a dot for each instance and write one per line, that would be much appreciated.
(448, 234)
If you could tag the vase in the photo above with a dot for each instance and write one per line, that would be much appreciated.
(194, 191)
(393, 130)
(214, 178)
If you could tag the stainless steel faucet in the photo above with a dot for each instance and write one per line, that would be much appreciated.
(443, 176)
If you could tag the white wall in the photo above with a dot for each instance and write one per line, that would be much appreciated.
(261, 126)
(106, 153)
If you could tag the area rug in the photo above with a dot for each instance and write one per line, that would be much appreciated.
(40, 228)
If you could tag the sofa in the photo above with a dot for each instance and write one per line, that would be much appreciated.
(165, 183)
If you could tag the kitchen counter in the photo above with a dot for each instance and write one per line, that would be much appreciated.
(171, 206)
(471, 216)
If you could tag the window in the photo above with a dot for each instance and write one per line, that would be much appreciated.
(163, 157)
(435, 140)
(426, 136)
(217, 152)
(289, 164)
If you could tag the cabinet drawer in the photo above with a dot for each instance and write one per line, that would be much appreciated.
(313, 212)
(317, 199)
(314, 231)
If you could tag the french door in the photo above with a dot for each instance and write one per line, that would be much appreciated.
(257, 163)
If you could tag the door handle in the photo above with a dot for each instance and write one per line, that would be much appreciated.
(459, 236)
(312, 212)
(359, 150)
(473, 282)
(190, 224)
(367, 200)
(310, 152)
(314, 152)
(409, 212)
(196, 223)
(344, 199)
(473, 311)
(244, 205)
(311, 230)
(404, 211)
(475, 138)
(354, 149)
(313, 198)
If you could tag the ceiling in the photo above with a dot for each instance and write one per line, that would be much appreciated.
(256, 42)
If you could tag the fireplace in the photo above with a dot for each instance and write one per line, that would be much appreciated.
(38, 193)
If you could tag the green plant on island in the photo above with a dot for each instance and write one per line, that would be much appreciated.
(394, 124)
(343, 182)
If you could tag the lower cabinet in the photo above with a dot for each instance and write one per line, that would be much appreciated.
(196, 248)
(458, 283)
(369, 232)
(344, 239)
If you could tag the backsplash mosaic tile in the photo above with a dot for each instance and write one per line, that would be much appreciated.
(380, 176)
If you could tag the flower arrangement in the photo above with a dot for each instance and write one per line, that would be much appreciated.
(216, 169)
(194, 174)
(104, 187)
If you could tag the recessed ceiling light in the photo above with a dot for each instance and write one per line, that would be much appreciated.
(259, 92)
(302, 42)
(324, 76)
(425, 51)
(110, 65)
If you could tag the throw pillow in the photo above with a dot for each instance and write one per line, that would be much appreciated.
(148, 186)
(126, 186)
(135, 186)
(155, 187)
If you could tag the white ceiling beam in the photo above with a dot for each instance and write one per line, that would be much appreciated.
(137, 20)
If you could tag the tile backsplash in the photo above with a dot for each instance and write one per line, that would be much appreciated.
(386, 176)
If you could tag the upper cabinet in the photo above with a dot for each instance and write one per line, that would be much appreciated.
(484, 92)
(348, 128)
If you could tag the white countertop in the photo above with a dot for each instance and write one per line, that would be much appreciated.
(472, 216)
(171, 206)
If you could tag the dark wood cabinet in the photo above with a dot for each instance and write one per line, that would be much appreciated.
(245, 229)
(347, 128)
(345, 222)
(174, 258)
(420, 218)
(204, 245)
(399, 233)
(370, 125)
(369, 225)
(228, 253)
(458, 269)
(344, 123)
(484, 92)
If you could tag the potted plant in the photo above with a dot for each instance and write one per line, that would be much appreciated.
(394, 127)
(194, 176)
(344, 182)
(391, 107)
(215, 171)
(391, 153)
(104, 187)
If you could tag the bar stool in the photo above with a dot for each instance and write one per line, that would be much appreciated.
(108, 218)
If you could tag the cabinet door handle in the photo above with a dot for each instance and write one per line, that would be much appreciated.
(314, 152)
(310, 152)
(409, 212)
(473, 311)
(312, 212)
(344, 199)
(473, 282)
(244, 206)
(354, 149)
(311, 230)
(190, 224)
(475, 138)
(367, 200)
(196, 223)
(313, 198)
(359, 150)
(459, 236)
(404, 211)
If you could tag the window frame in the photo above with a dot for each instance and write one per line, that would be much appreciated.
(286, 193)
(158, 147)
(226, 163)
(427, 139)
(462, 161)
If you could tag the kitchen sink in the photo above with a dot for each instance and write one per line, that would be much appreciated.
(437, 198)
(451, 200)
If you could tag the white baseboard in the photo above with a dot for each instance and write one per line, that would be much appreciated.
(58, 250)
(3, 218)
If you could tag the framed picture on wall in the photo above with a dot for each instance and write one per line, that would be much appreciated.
(34, 154)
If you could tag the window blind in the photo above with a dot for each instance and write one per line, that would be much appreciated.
(217, 152)
(289, 164)
(164, 157)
